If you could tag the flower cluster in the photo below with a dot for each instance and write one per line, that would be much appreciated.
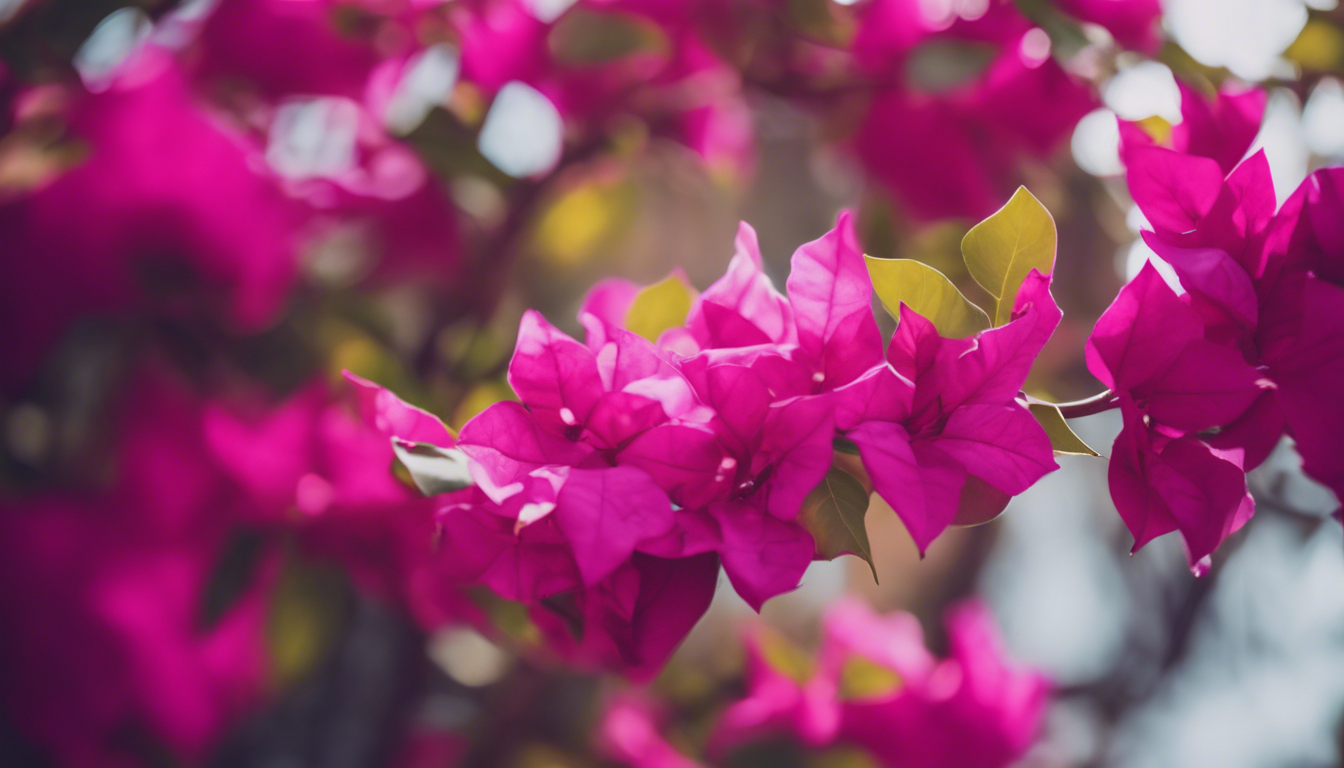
(1210, 378)
(143, 624)
(872, 686)
(633, 460)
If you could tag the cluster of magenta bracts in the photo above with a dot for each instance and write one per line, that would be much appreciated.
(1210, 379)
(872, 686)
(630, 464)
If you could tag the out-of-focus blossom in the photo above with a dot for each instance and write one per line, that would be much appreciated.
(111, 653)
(166, 217)
(1133, 23)
(953, 151)
(629, 734)
(118, 647)
(874, 686)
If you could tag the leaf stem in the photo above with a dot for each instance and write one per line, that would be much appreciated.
(1098, 403)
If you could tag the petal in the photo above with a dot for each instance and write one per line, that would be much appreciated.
(1142, 333)
(920, 482)
(1002, 444)
(1207, 386)
(606, 513)
(505, 443)
(554, 375)
(686, 462)
(763, 556)
(832, 299)
(392, 416)
(1173, 190)
(746, 291)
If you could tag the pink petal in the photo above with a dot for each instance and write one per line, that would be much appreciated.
(606, 513)
(505, 444)
(762, 555)
(686, 462)
(1142, 333)
(832, 298)
(1173, 190)
(920, 482)
(1002, 444)
(392, 416)
(554, 375)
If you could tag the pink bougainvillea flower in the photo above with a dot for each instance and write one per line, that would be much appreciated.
(874, 686)
(1221, 128)
(628, 733)
(971, 135)
(947, 411)
(1133, 23)
(186, 225)
(112, 634)
(1149, 348)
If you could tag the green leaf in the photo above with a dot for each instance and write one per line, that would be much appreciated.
(1062, 437)
(833, 513)
(928, 292)
(586, 38)
(1002, 250)
(660, 306)
(433, 469)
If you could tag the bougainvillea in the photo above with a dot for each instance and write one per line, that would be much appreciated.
(871, 687)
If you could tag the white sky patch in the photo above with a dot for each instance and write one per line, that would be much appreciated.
(548, 10)
(523, 132)
(1096, 143)
(1246, 36)
(1323, 119)
(1284, 141)
(426, 82)
(1144, 90)
(112, 42)
(312, 138)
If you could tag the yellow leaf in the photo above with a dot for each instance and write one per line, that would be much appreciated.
(575, 226)
(1062, 437)
(660, 306)
(1001, 250)
(785, 657)
(1319, 47)
(864, 679)
(928, 292)
(1158, 128)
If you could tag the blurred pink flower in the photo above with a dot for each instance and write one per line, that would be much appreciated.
(874, 686)
(167, 217)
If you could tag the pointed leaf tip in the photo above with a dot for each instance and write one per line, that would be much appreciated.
(928, 292)
(1003, 249)
(834, 514)
(1063, 439)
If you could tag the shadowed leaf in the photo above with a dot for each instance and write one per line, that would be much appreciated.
(434, 470)
(834, 514)
(1062, 437)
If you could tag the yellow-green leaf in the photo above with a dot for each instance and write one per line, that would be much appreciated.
(928, 292)
(1002, 250)
(861, 678)
(1062, 437)
(833, 513)
(660, 306)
